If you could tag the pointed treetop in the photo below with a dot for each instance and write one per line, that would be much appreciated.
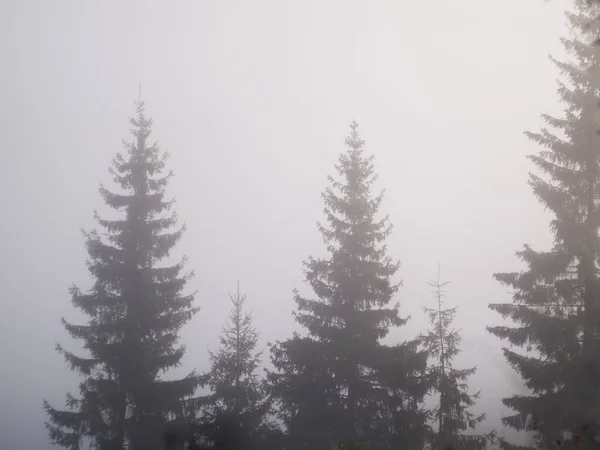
(141, 124)
(238, 299)
(439, 285)
(354, 141)
(140, 105)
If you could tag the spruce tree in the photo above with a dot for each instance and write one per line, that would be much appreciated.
(234, 415)
(135, 308)
(554, 338)
(452, 415)
(339, 383)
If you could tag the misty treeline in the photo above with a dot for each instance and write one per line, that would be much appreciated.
(334, 382)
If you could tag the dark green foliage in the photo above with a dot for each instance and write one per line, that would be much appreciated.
(452, 415)
(234, 415)
(339, 383)
(135, 307)
(556, 299)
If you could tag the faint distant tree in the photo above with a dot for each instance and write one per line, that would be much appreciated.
(235, 414)
(452, 414)
(135, 308)
(340, 383)
(554, 338)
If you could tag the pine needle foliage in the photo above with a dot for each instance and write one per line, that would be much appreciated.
(136, 308)
(553, 342)
(339, 383)
(454, 421)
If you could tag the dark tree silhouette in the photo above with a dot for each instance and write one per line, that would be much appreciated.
(135, 307)
(235, 414)
(555, 306)
(452, 416)
(340, 383)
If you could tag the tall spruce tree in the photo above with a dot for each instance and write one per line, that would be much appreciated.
(452, 414)
(135, 307)
(555, 307)
(339, 383)
(234, 415)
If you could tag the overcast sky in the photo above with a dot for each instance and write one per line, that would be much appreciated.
(253, 100)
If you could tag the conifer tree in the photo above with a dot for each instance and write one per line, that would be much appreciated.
(234, 415)
(339, 383)
(555, 308)
(135, 308)
(452, 415)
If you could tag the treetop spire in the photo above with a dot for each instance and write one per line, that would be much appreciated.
(353, 140)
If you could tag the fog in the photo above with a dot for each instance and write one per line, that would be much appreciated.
(253, 100)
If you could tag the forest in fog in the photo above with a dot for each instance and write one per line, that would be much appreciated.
(352, 372)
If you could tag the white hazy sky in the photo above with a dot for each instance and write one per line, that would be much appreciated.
(253, 100)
